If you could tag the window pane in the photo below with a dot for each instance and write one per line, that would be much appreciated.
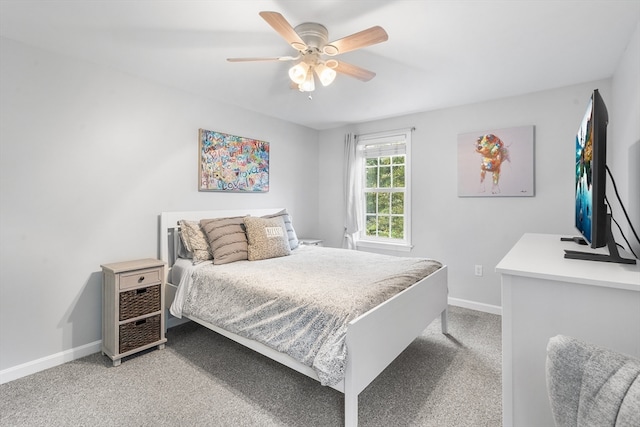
(397, 227)
(385, 177)
(371, 203)
(372, 177)
(397, 204)
(371, 225)
(385, 160)
(398, 160)
(372, 161)
(384, 203)
(383, 226)
(398, 176)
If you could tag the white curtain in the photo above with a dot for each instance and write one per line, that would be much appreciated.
(352, 204)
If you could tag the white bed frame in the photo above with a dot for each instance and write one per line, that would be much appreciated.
(373, 340)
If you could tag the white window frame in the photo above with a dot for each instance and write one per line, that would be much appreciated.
(382, 138)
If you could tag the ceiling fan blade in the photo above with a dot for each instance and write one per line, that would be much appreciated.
(282, 27)
(280, 58)
(358, 40)
(354, 71)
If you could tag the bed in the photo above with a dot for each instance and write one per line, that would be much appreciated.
(371, 339)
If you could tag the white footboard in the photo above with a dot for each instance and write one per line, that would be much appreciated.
(376, 338)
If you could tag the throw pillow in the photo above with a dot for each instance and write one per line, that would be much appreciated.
(194, 241)
(267, 238)
(227, 239)
(288, 223)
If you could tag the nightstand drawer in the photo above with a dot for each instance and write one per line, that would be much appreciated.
(138, 302)
(139, 333)
(141, 278)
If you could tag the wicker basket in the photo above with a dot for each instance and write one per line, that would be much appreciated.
(138, 302)
(139, 333)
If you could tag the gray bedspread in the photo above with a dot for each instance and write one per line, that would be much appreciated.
(300, 304)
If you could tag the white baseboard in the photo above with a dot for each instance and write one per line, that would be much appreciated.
(47, 362)
(478, 306)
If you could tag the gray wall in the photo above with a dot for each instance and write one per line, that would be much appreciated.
(89, 158)
(624, 139)
(463, 232)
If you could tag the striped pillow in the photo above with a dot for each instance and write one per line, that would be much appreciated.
(227, 239)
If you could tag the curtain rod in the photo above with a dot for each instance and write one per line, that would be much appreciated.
(386, 132)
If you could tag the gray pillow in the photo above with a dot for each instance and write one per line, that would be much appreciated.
(182, 251)
(227, 239)
(288, 223)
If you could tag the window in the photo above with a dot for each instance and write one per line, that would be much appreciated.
(385, 194)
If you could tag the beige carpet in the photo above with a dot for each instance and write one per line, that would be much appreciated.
(203, 379)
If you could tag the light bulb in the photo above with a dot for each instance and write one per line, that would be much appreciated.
(298, 73)
(325, 74)
(308, 85)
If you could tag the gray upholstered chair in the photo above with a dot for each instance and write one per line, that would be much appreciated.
(592, 386)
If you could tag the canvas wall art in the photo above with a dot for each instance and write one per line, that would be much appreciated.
(496, 162)
(232, 163)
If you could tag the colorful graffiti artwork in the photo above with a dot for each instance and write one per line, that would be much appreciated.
(232, 163)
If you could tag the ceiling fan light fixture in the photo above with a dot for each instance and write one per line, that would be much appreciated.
(310, 39)
(325, 74)
(298, 73)
(308, 85)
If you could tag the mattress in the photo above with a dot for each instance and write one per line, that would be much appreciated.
(299, 304)
(182, 267)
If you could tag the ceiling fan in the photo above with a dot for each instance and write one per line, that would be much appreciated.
(311, 41)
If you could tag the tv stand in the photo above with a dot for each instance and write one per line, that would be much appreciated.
(613, 256)
(543, 295)
(578, 240)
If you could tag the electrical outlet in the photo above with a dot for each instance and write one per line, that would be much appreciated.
(478, 270)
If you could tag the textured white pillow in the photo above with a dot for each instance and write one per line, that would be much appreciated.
(194, 240)
(267, 238)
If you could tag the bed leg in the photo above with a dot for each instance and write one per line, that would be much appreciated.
(350, 409)
(444, 321)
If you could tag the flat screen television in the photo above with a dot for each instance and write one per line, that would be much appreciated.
(590, 173)
(592, 218)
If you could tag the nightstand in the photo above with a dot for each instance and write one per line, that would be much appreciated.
(310, 242)
(132, 307)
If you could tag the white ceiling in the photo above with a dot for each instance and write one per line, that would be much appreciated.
(439, 53)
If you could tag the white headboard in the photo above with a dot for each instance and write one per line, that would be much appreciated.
(169, 225)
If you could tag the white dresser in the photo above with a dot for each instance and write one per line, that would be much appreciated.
(543, 295)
